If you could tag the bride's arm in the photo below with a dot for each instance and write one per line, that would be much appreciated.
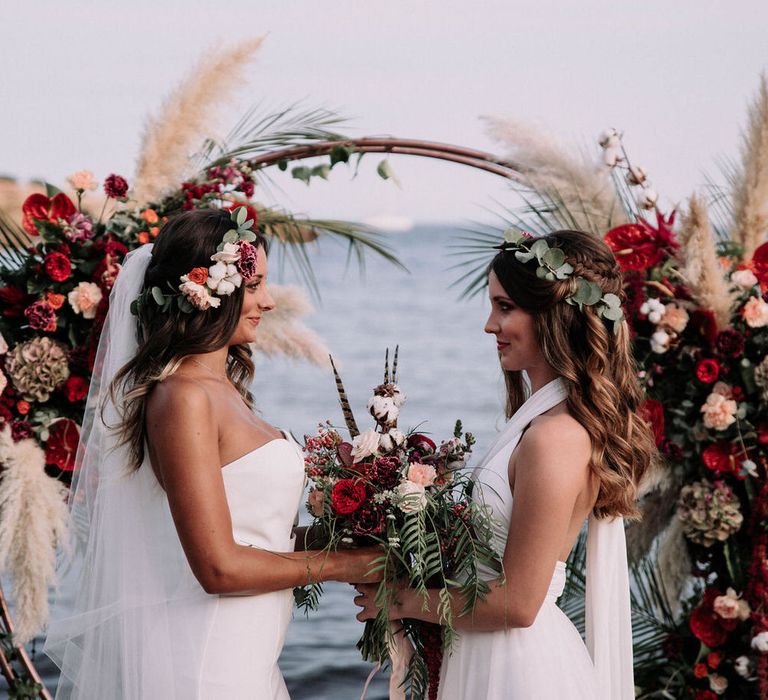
(551, 481)
(183, 432)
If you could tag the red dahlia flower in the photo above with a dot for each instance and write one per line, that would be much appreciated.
(347, 496)
(38, 207)
(61, 448)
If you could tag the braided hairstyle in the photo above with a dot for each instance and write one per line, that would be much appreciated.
(165, 338)
(596, 363)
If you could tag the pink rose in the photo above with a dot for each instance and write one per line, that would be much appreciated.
(755, 313)
(726, 607)
(82, 180)
(422, 474)
(675, 318)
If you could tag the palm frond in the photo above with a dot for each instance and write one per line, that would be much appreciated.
(258, 132)
(14, 242)
(292, 233)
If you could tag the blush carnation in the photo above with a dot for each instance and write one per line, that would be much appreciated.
(422, 474)
(755, 313)
(82, 180)
(198, 295)
(85, 298)
(719, 412)
(247, 263)
(675, 318)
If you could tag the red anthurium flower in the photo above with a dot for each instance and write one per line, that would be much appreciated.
(759, 265)
(38, 207)
(61, 447)
(640, 246)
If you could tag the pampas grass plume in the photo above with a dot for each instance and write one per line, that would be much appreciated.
(701, 267)
(280, 331)
(582, 188)
(33, 520)
(171, 137)
(750, 192)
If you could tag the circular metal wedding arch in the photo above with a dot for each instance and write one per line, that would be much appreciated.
(386, 145)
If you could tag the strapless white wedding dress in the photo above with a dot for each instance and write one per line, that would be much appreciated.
(548, 660)
(264, 490)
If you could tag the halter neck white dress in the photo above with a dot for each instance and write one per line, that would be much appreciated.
(158, 632)
(548, 660)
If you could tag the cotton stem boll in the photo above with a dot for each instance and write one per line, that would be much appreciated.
(391, 440)
(660, 342)
(647, 198)
(636, 175)
(654, 310)
(612, 157)
(383, 409)
(610, 139)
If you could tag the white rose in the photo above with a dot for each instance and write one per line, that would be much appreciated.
(3, 345)
(718, 683)
(391, 440)
(85, 298)
(647, 198)
(660, 342)
(411, 497)
(229, 254)
(760, 642)
(364, 445)
(744, 278)
(383, 409)
(741, 666)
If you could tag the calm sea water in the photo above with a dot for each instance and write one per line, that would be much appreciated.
(448, 370)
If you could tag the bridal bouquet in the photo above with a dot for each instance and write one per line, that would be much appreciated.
(402, 491)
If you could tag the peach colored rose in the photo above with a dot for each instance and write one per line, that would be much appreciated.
(719, 412)
(755, 313)
(82, 180)
(730, 606)
(55, 300)
(422, 474)
(315, 501)
(150, 216)
(198, 295)
(85, 298)
(675, 318)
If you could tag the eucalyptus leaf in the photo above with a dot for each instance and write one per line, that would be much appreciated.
(384, 170)
(241, 215)
(301, 173)
(282, 164)
(554, 257)
(230, 236)
(540, 248)
(613, 313)
(512, 235)
(523, 257)
(245, 226)
(158, 296)
(340, 154)
(321, 171)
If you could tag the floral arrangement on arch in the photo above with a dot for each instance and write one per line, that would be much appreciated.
(403, 492)
(696, 288)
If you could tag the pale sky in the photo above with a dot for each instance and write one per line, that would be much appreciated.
(79, 78)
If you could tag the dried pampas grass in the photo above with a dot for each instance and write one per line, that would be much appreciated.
(582, 190)
(171, 137)
(33, 519)
(750, 192)
(700, 265)
(280, 331)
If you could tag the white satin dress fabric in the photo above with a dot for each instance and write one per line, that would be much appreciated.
(548, 660)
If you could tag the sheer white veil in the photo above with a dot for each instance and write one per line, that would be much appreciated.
(111, 631)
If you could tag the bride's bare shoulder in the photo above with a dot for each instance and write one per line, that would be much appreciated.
(179, 396)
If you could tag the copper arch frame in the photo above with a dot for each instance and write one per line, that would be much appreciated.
(386, 145)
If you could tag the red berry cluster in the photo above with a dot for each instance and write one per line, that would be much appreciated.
(432, 639)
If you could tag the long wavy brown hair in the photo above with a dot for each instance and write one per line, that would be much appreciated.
(596, 363)
(165, 338)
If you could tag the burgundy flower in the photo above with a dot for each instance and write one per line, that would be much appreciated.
(57, 266)
(76, 388)
(248, 188)
(707, 371)
(13, 301)
(246, 266)
(703, 322)
(724, 457)
(61, 448)
(21, 430)
(369, 520)
(729, 343)
(79, 228)
(706, 624)
(347, 496)
(422, 445)
(653, 413)
(385, 472)
(115, 186)
(41, 316)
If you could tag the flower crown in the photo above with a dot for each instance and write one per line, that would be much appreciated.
(551, 265)
(202, 288)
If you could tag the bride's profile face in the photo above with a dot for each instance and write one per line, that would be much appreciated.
(256, 302)
(514, 330)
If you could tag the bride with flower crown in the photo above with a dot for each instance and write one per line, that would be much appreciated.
(574, 449)
(178, 580)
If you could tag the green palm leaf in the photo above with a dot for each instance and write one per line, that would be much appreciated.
(14, 243)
